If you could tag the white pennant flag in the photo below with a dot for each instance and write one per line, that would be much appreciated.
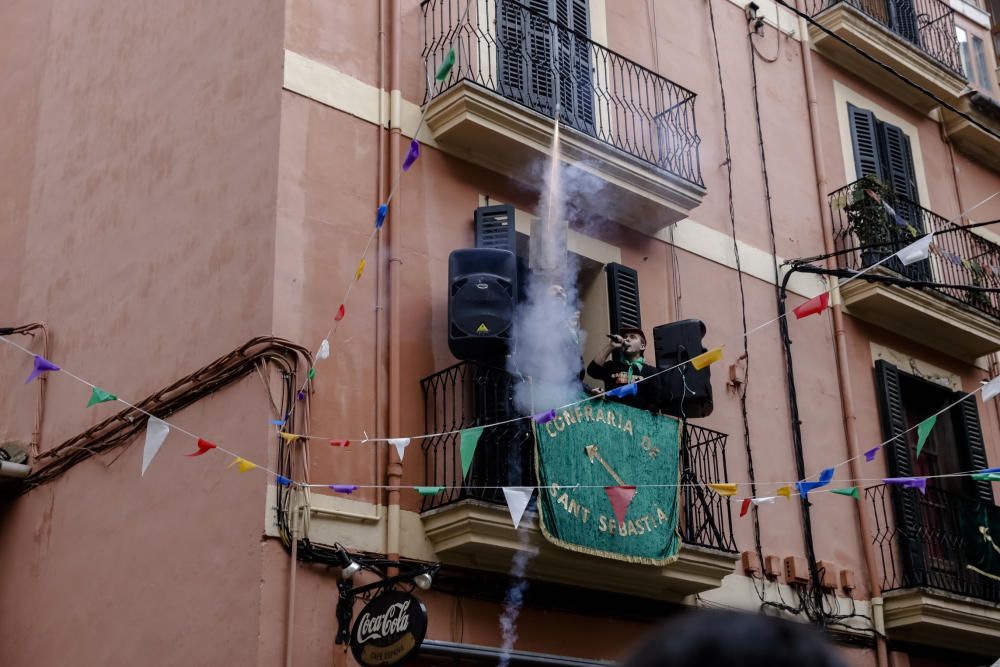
(156, 433)
(324, 350)
(517, 500)
(916, 251)
(991, 389)
(766, 500)
(400, 445)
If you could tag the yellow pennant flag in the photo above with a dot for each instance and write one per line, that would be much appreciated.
(361, 269)
(785, 491)
(706, 358)
(243, 464)
(288, 437)
(723, 489)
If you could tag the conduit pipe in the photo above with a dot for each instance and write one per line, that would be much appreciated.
(394, 469)
(840, 338)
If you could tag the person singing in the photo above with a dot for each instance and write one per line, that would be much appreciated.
(629, 365)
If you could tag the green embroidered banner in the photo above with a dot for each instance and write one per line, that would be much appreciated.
(598, 444)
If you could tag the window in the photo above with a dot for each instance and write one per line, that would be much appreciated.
(972, 53)
(963, 52)
(979, 52)
(544, 57)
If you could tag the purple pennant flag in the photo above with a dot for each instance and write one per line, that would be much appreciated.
(344, 488)
(42, 365)
(302, 395)
(544, 417)
(870, 454)
(411, 155)
(919, 483)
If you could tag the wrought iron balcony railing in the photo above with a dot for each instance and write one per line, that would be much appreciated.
(507, 48)
(927, 24)
(875, 223)
(933, 541)
(471, 394)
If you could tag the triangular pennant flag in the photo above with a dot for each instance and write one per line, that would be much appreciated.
(400, 445)
(870, 454)
(301, 395)
(518, 498)
(923, 431)
(745, 507)
(100, 396)
(411, 155)
(706, 358)
(324, 350)
(344, 488)
(380, 214)
(620, 497)
(991, 389)
(919, 483)
(156, 433)
(916, 251)
(242, 464)
(986, 477)
(283, 481)
(785, 491)
(203, 446)
(723, 489)
(340, 314)
(446, 65)
(312, 373)
(340, 443)
(277, 422)
(428, 490)
(851, 491)
(288, 437)
(544, 417)
(361, 269)
(813, 306)
(470, 438)
(824, 479)
(766, 500)
(41, 365)
(630, 389)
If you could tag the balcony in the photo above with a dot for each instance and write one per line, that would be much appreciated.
(937, 310)
(627, 134)
(972, 139)
(926, 545)
(470, 526)
(914, 37)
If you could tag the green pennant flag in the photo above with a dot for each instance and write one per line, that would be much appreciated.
(851, 491)
(924, 430)
(100, 396)
(446, 65)
(312, 373)
(428, 490)
(470, 439)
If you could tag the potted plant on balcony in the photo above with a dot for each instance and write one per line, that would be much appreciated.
(869, 222)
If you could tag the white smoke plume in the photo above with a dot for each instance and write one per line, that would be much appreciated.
(514, 600)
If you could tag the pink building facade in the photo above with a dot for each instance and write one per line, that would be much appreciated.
(189, 189)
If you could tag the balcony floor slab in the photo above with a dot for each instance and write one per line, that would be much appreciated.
(926, 616)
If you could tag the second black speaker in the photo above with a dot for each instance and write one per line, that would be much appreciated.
(685, 392)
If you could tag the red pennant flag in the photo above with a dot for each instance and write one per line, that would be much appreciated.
(813, 306)
(340, 443)
(203, 446)
(340, 314)
(745, 507)
(621, 498)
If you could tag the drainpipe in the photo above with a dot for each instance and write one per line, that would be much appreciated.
(394, 470)
(382, 340)
(840, 341)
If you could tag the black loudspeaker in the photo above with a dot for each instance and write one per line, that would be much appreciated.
(482, 284)
(684, 391)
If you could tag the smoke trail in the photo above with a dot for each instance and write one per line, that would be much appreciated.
(515, 597)
(547, 339)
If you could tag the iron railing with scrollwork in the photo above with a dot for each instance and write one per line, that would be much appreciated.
(518, 53)
(927, 24)
(868, 225)
(471, 394)
(924, 541)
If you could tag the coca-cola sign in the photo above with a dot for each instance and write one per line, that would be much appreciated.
(389, 629)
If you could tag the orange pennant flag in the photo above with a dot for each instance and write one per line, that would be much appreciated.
(785, 491)
(723, 489)
(706, 358)
(243, 464)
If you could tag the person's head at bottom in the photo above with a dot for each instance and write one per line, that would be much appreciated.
(733, 639)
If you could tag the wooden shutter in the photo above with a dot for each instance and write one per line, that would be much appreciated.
(495, 227)
(972, 436)
(897, 161)
(623, 297)
(541, 65)
(904, 20)
(511, 57)
(865, 141)
(905, 502)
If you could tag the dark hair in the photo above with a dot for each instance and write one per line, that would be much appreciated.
(734, 639)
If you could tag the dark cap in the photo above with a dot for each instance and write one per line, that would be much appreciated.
(632, 330)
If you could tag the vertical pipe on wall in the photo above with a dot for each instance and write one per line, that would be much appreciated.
(839, 335)
(381, 342)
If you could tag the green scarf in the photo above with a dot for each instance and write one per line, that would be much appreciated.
(634, 366)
